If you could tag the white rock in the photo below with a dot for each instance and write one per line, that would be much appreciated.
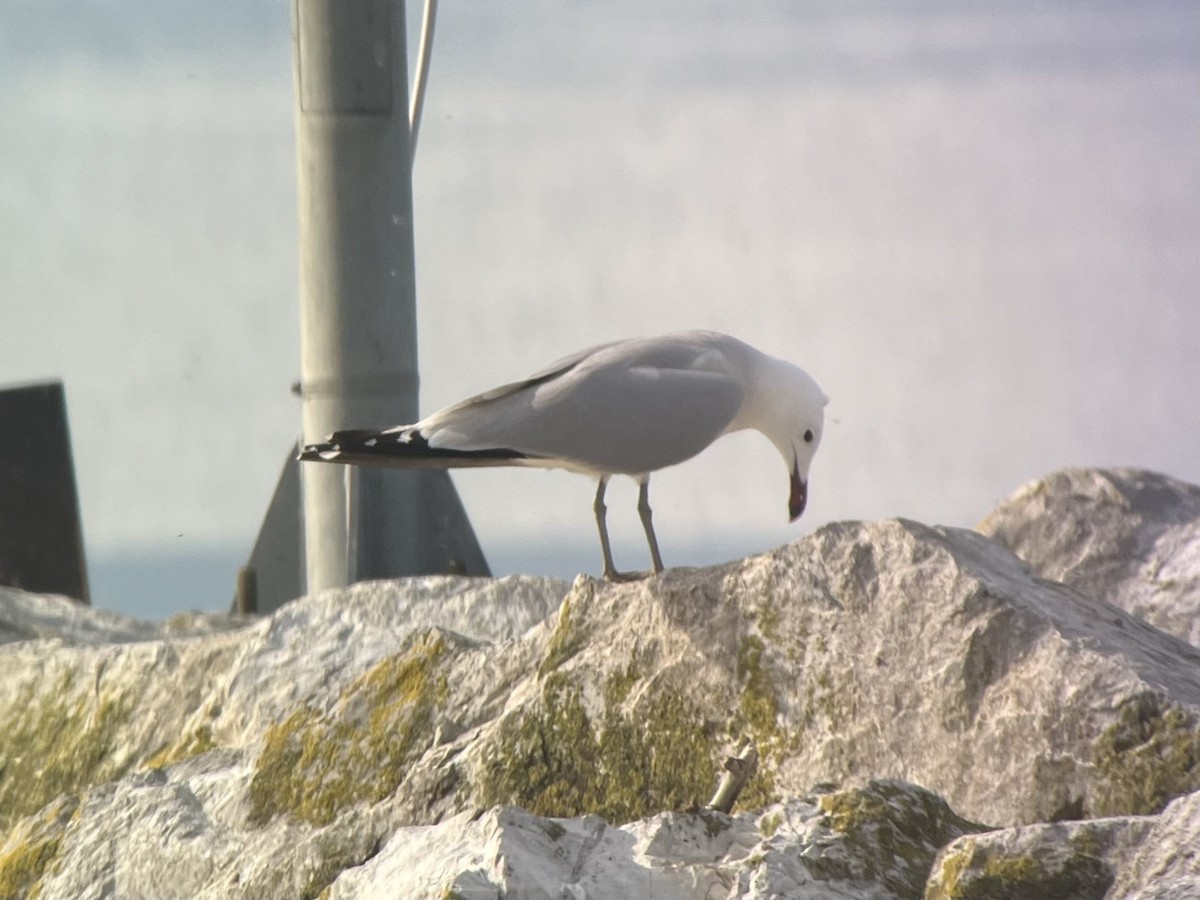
(26, 617)
(318, 747)
(1169, 854)
(1186, 887)
(1126, 536)
(507, 852)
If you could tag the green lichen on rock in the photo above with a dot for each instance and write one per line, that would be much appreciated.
(32, 849)
(757, 718)
(1146, 758)
(767, 614)
(315, 764)
(1086, 841)
(556, 760)
(21, 869)
(321, 855)
(618, 685)
(945, 879)
(769, 824)
(892, 832)
(567, 640)
(328, 864)
(759, 707)
(193, 743)
(58, 740)
(973, 871)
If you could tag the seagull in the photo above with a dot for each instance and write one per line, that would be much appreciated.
(629, 407)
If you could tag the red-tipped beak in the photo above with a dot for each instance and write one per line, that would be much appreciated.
(799, 496)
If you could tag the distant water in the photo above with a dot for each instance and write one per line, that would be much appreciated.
(158, 584)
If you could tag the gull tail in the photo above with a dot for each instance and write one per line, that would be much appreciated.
(403, 448)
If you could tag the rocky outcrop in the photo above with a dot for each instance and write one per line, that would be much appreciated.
(1125, 536)
(877, 841)
(489, 735)
(1127, 857)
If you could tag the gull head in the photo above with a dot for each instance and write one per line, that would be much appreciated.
(791, 413)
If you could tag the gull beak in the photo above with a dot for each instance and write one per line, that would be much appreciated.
(798, 498)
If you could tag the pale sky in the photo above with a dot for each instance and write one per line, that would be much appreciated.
(978, 229)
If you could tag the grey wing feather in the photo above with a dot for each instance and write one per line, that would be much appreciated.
(547, 373)
(628, 407)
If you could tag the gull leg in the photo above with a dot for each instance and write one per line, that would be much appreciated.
(610, 571)
(643, 509)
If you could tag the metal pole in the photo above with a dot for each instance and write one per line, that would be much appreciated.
(357, 277)
(424, 55)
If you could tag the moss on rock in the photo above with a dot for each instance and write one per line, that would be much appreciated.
(618, 685)
(556, 760)
(769, 824)
(193, 743)
(893, 831)
(972, 870)
(757, 718)
(567, 640)
(328, 862)
(21, 868)
(767, 614)
(58, 740)
(315, 764)
(32, 849)
(759, 707)
(1146, 758)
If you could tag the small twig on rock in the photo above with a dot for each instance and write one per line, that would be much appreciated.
(738, 770)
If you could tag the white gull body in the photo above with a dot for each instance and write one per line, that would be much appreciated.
(629, 407)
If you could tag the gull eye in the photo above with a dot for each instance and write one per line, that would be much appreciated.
(808, 436)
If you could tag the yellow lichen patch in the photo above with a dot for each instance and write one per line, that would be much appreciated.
(556, 760)
(325, 869)
(892, 832)
(1087, 841)
(193, 742)
(1013, 870)
(32, 849)
(767, 613)
(198, 740)
(315, 764)
(566, 641)
(758, 719)
(759, 705)
(768, 825)
(972, 871)
(944, 881)
(58, 740)
(852, 811)
(618, 685)
(1147, 757)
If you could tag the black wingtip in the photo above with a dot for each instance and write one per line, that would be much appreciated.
(313, 452)
(407, 449)
(342, 446)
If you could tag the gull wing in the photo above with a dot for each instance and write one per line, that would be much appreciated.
(627, 407)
